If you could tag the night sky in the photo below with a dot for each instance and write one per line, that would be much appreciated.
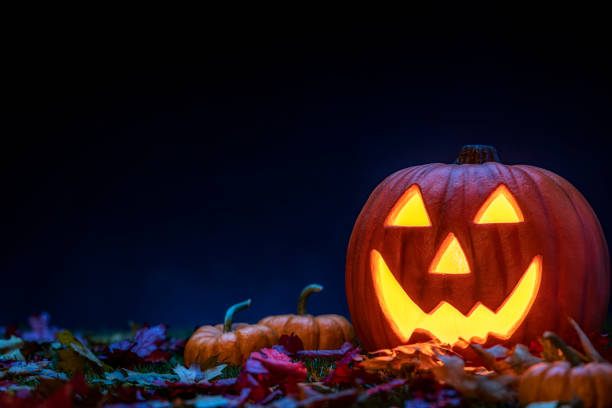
(160, 177)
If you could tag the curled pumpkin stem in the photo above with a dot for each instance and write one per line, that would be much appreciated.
(588, 347)
(301, 308)
(231, 311)
(569, 353)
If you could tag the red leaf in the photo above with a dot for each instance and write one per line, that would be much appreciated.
(64, 396)
(268, 367)
(8, 400)
(535, 348)
(342, 374)
(158, 356)
(291, 343)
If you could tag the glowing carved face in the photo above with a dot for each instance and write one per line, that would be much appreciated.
(444, 321)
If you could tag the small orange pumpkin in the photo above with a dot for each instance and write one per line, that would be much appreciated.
(559, 381)
(230, 343)
(324, 332)
(565, 380)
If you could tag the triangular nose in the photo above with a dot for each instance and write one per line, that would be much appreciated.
(450, 258)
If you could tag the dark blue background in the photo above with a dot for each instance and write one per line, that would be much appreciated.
(161, 176)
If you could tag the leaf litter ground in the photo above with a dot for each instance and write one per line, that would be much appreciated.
(47, 367)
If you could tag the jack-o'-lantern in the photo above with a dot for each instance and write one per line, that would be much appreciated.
(475, 251)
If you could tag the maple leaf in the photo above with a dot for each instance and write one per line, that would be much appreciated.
(77, 357)
(9, 349)
(137, 378)
(520, 359)
(345, 348)
(31, 369)
(344, 374)
(418, 355)
(194, 374)
(40, 330)
(148, 339)
(492, 388)
(268, 367)
(65, 395)
(146, 347)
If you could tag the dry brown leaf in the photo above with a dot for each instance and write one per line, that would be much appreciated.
(521, 359)
(419, 355)
(491, 388)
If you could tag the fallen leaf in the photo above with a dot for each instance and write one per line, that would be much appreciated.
(292, 344)
(194, 374)
(381, 388)
(268, 367)
(146, 347)
(10, 344)
(67, 339)
(40, 330)
(345, 348)
(421, 356)
(137, 378)
(209, 401)
(148, 339)
(520, 359)
(493, 388)
(71, 362)
(13, 355)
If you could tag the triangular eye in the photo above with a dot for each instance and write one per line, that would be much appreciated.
(500, 207)
(409, 210)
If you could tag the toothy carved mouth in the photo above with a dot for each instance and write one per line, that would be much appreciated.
(445, 322)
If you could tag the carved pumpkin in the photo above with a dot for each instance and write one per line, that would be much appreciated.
(230, 343)
(476, 251)
(316, 332)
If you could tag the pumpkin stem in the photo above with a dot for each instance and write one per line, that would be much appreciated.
(304, 296)
(590, 351)
(569, 353)
(229, 315)
(477, 154)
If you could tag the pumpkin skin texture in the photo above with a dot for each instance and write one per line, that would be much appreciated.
(323, 332)
(553, 227)
(232, 346)
(559, 381)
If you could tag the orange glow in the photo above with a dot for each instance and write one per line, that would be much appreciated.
(500, 207)
(445, 322)
(450, 258)
(409, 210)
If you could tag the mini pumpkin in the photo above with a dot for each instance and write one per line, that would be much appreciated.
(230, 343)
(566, 380)
(323, 332)
(475, 251)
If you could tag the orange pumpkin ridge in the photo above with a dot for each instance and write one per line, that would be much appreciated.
(316, 332)
(475, 250)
